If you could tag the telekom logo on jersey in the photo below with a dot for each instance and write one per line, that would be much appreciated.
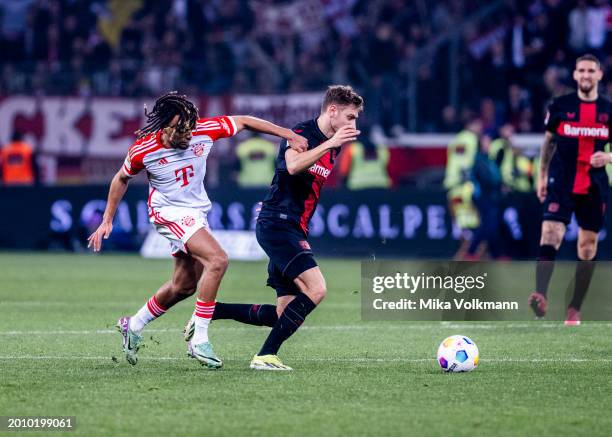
(183, 174)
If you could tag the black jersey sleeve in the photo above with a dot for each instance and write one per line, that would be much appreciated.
(552, 120)
(281, 164)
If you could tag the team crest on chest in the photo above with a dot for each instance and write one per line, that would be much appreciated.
(603, 118)
(198, 149)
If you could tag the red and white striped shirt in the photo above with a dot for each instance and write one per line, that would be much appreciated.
(176, 177)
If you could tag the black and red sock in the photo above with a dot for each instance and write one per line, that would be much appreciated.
(289, 321)
(545, 267)
(252, 314)
(584, 274)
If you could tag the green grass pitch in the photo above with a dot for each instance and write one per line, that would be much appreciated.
(57, 350)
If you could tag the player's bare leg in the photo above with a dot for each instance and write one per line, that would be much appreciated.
(295, 309)
(204, 248)
(552, 233)
(550, 241)
(187, 271)
(585, 266)
(183, 284)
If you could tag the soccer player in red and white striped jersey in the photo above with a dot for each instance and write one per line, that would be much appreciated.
(173, 148)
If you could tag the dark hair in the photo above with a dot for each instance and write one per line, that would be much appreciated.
(342, 95)
(17, 136)
(589, 57)
(165, 109)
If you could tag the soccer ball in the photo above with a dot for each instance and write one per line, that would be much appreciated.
(458, 353)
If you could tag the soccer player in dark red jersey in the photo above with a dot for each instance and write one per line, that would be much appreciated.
(282, 225)
(573, 180)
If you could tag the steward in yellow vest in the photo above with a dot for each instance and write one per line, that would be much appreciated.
(256, 156)
(366, 165)
(517, 169)
(461, 153)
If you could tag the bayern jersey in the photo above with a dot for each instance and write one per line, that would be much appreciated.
(176, 176)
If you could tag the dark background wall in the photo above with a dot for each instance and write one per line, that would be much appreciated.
(367, 224)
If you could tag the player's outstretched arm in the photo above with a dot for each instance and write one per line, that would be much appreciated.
(295, 141)
(118, 187)
(298, 162)
(546, 154)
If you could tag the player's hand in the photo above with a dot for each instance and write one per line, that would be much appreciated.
(298, 143)
(95, 239)
(600, 159)
(542, 187)
(346, 134)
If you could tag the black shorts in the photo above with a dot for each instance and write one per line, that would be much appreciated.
(289, 253)
(589, 208)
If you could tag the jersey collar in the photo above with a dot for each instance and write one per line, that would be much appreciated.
(321, 136)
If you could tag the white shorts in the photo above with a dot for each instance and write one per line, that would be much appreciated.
(178, 224)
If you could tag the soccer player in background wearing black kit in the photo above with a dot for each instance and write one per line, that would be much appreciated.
(282, 225)
(573, 180)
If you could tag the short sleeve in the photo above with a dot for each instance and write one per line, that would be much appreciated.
(133, 163)
(216, 127)
(551, 122)
(281, 162)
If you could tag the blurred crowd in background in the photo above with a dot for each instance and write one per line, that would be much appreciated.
(482, 71)
(506, 58)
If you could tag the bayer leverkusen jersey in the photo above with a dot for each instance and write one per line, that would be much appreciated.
(581, 128)
(294, 197)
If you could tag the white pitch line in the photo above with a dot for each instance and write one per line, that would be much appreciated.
(362, 327)
(346, 360)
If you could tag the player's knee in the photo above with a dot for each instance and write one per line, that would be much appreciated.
(317, 293)
(587, 250)
(551, 237)
(218, 263)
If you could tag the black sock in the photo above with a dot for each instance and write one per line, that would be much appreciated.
(584, 273)
(253, 314)
(544, 267)
(288, 322)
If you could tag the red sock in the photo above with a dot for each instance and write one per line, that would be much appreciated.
(203, 315)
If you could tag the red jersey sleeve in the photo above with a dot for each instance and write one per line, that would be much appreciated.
(216, 127)
(133, 164)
